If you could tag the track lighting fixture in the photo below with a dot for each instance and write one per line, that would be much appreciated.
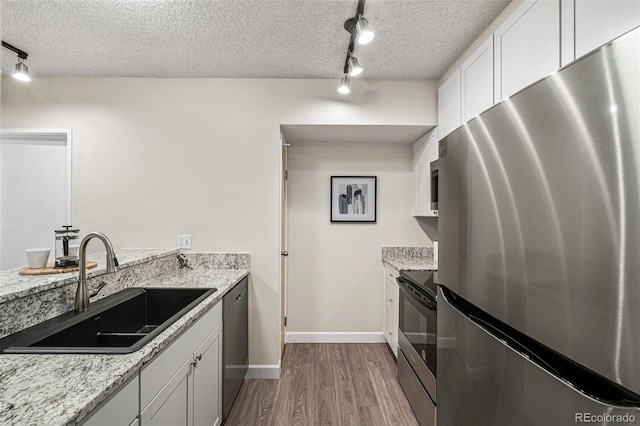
(359, 29)
(344, 85)
(354, 66)
(22, 70)
(365, 35)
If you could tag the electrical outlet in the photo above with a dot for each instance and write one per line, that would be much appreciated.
(184, 241)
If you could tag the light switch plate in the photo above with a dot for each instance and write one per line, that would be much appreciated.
(184, 241)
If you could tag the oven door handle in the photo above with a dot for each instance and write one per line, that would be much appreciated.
(405, 287)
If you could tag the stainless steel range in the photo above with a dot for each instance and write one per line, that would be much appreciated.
(417, 341)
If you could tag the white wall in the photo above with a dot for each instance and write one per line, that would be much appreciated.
(154, 158)
(335, 269)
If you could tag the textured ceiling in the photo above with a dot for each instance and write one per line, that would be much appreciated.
(238, 38)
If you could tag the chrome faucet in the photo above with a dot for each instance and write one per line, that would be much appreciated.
(82, 293)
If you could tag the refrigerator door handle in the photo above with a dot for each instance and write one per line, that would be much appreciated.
(580, 378)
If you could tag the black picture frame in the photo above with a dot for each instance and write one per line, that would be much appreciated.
(353, 199)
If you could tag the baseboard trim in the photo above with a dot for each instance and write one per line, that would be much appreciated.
(263, 372)
(334, 337)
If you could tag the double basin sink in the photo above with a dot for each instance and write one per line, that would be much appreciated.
(118, 324)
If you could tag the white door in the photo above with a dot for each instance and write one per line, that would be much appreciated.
(35, 191)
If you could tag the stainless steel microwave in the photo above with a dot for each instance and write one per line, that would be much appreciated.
(434, 184)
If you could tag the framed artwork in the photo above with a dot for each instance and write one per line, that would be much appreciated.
(353, 199)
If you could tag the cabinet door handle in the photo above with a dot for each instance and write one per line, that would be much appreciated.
(239, 297)
(390, 300)
(285, 253)
(195, 363)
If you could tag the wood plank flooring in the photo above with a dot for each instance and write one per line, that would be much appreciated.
(327, 384)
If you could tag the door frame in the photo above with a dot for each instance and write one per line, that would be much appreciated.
(284, 225)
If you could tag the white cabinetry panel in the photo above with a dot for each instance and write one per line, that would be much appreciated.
(192, 393)
(527, 46)
(600, 21)
(391, 333)
(476, 81)
(207, 376)
(391, 294)
(170, 407)
(120, 408)
(391, 308)
(156, 374)
(425, 150)
(449, 105)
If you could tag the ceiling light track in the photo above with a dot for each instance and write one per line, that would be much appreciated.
(358, 28)
(22, 71)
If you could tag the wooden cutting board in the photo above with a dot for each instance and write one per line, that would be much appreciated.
(25, 270)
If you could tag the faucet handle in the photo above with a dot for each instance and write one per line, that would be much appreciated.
(112, 263)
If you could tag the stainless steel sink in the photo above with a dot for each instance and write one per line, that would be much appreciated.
(118, 324)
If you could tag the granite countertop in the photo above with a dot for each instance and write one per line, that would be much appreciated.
(61, 389)
(14, 286)
(410, 258)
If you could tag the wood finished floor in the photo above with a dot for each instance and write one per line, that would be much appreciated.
(327, 384)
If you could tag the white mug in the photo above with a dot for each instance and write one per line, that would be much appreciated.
(37, 258)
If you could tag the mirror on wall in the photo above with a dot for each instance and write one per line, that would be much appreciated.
(35, 191)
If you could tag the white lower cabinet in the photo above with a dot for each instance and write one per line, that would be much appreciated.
(391, 333)
(391, 308)
(170, 407)
(120, 409)
(192, 396)
(206, 380)
(181, 386)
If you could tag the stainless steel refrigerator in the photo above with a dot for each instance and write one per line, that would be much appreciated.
(539, 231)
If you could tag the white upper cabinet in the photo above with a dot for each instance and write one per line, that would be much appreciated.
(425, 150)
(449, 117)
(476, 81)
(527, 46)
(537, 38)
(600, 21)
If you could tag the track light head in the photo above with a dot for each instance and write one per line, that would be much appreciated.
(365, 35)
(22, 71)
(344, 85)
(354, 66)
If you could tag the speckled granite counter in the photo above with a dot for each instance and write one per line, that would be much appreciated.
(410, 258)
(14, 286)
(63, 389)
